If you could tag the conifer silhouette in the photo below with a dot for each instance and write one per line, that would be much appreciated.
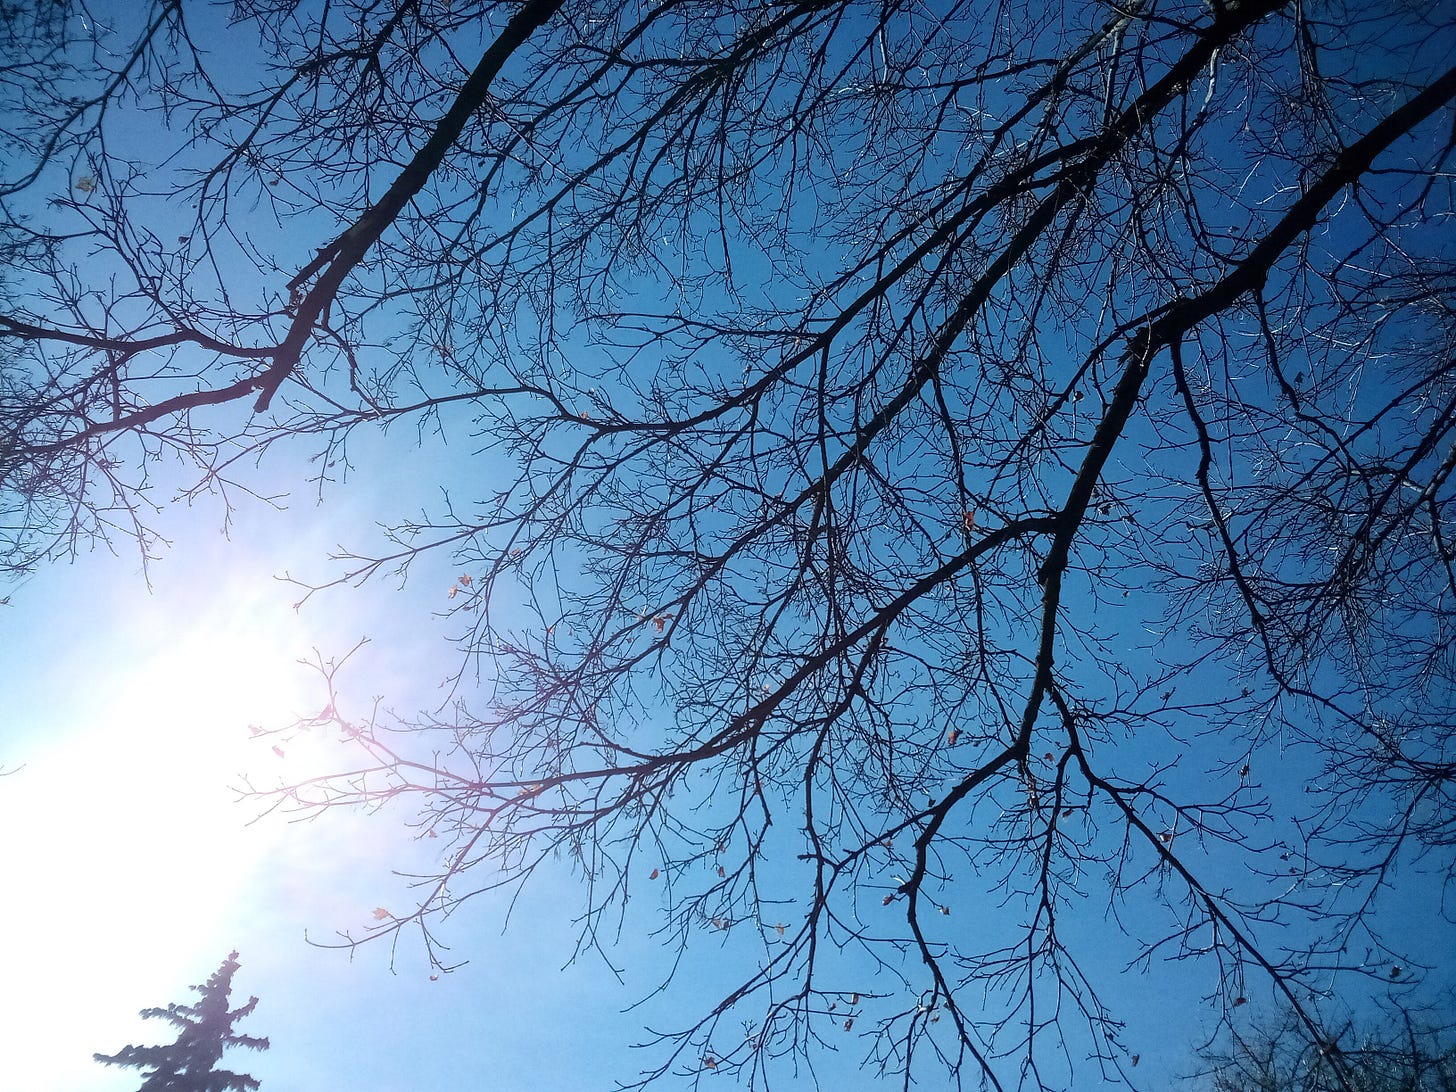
(206, 1029)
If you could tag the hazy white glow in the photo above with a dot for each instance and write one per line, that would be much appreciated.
(132, 857)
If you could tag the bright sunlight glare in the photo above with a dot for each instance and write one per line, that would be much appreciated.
(117, 801)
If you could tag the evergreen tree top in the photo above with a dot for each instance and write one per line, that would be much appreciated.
(205, 1030)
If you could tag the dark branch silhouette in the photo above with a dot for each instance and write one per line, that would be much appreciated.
(922, 460)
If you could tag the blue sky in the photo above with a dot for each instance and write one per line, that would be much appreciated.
(126, 726)
(131, 696)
